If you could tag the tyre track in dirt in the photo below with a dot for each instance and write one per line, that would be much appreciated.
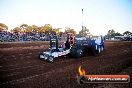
(42, 67)
(67, 69)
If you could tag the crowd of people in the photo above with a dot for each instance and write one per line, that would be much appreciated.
(14, 37)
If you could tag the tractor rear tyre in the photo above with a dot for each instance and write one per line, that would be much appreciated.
(77, 51)
(96, 50)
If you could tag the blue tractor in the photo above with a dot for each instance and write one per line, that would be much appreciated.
(82, 45)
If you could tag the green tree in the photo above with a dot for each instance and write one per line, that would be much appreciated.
(41, 29)
(28, 29)
(47, 28)
(118, 34)
(3, 27)
(35, 28)
(56, 30)
(16, 30)
(111, 34)
(23, 27)
(84, 32)
(69, 30)
(128, 33)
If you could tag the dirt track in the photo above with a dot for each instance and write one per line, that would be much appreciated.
(21, 68)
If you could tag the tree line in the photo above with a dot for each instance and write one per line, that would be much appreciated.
(48, 29)
(111, 34)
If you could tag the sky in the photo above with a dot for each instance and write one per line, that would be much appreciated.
(98, 16)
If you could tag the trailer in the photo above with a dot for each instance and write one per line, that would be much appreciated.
(74, 46)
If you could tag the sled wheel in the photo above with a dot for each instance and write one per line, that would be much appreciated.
(50, 59)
